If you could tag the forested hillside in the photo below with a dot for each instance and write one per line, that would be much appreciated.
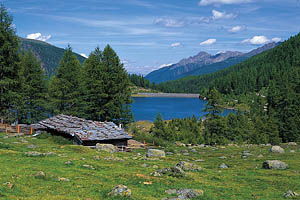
(248, 76)
(47, 54)
(204, 63)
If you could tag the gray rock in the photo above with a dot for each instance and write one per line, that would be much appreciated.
(185, 154)
(33, 154)
(40, 174)
(199, 160)
(274, 164)
(68, 162)
(292, 143)
(88, 166)
(63, 179)
(260, 156)
(223, 166)
(186, 166)
(120, 190)
(184, 193)
(169, 153)
(276, 149)
(172, 171)
(222, 157)
(292, 151)
(155, 153)
(194, 150)
(290, 194)
(106, 147)
(32, 146)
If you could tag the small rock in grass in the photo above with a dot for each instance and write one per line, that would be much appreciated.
(199, 160)
(88, 166)
(274, 164)
(222, 157)
(68, 162)
(32, 146)
(276, 149)
(40, 174)
(184, 193)
(290, 194)
(260, 156)
(63, 179)
(185, 154)
(292, 151)
(223, 166)
(107, 147)
(155, 153)
(292, 143)
(155, 166)
(186, 166)
(193, 150)
(169, 153)
(23, 140)
(120, 190)
(83, 159)
(33, 154)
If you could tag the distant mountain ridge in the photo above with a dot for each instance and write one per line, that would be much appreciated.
(49, 55)
(203, 63)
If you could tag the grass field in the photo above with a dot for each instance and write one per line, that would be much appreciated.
(244, 179)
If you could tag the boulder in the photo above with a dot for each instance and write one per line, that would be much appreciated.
(276, 149)
(290, 194)
(184, 193)
(40, 174)
(274, 164)
(172, 171)
(186, 166)
(155, 153)
(292, 143)
(106, 147)
(223, 166)
(34, 154)
(120, 190)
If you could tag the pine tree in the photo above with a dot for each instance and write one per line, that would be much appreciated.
(65, 88)
(213, 104)
(9, 67)
(34, 90)
(93, 72)
(117, 99)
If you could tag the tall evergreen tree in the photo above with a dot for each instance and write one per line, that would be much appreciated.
(116, 99)
(34, 89)
(213, 104)
(9, 67)
(64, 89)
(93, 73)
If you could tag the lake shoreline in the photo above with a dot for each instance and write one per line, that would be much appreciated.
(170, 95)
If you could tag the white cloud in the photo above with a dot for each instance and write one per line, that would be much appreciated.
(218, 2)
(169, 22)
(176, 44)
(257, 40)
(13, 26)
(83, 55)
(143, 70)
(38, 36)
(276, 39)
(208, 42)
(236, 29)
(221, 15)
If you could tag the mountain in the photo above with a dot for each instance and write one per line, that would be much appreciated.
(250, 75)
(48, 54)
(203, 63)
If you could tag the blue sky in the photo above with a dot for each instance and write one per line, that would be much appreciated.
(148, 34)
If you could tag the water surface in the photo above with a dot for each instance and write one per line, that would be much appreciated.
(147, 108)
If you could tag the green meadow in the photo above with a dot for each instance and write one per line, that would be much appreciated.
(244, 179)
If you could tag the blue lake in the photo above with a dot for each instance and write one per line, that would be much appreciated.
(147, 108)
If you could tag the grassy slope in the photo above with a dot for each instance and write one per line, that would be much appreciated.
(243, 180)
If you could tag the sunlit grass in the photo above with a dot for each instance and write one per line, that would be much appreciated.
(245, 179)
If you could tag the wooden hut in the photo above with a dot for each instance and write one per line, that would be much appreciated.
(84, 132)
